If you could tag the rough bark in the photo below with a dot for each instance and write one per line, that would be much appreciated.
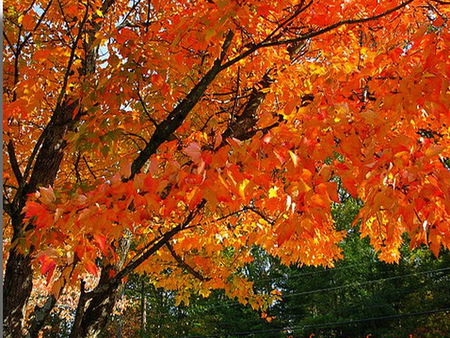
(98, 313)
(49, 151)
(242, 126)
(17, 282)
(17, 287)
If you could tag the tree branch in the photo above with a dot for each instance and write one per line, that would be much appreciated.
(182, 263)
(163, 240)
(13, 160)
(89, 168)
(69, 33)
(144, 106)
(62, 92)
(304, 37)
(179, 114)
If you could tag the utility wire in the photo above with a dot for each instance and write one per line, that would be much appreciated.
(359, 305)
(301, 274)
(357, 284)
(290, 330)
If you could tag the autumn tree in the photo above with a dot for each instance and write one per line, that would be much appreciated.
(171, 136)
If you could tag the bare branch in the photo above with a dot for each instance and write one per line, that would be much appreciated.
(124, 20)
(29, 166)
(261, 214)
(21, 45)
(65, 20)
(72, 57)
(144, 106)
(38, 23)
(159, 243)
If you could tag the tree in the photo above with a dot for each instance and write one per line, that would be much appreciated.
(170, 137)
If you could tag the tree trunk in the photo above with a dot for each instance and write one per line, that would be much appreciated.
(49, 150)
(90, 321)
(17, 286)
(98, 312)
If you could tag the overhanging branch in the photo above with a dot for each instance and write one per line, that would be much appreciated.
(182, 263)
(157, 244)
(265, 44)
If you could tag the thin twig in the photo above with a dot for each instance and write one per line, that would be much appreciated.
(72, 56)
(89, 168)
(144, 106)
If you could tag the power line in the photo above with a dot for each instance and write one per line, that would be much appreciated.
(301, 274)
(359, 305)
(357, 284)
(364, 283)
(297, 328)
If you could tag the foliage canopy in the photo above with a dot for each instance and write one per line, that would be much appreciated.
(172, 136)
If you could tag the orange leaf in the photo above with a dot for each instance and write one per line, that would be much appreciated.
(101, 241)
(91, 267)
(285, 232)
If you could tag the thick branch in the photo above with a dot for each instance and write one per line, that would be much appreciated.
(245, 122)
(181, 111)
(164, 239)
(13, 160)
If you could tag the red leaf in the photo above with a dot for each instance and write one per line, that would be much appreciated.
(194, 151)
(43, 217)
(48, 266)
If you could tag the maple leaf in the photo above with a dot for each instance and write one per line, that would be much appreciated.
(48, 266)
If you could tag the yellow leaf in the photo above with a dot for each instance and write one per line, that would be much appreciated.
(273, 192)
(242, 187)
(434, 150)
(294, 158)
(302, 186)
